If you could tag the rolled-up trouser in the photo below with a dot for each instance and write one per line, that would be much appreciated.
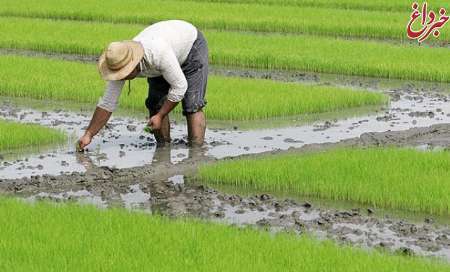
(195, 69)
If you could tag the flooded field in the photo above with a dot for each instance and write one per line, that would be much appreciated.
(124, 168)
(283, 87)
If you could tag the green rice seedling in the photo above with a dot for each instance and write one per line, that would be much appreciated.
(382, 177)
(292, 52)
(230, 98)
(383, 5)
(17, 135)
(148, 129)
(227, 16)
(328, 55)
(261, 99)
(78, 147)
(69, 237)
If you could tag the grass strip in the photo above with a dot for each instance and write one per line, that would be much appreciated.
(227, 16)
(382, 5)
(64, 237)
(228, 98)
(307, 53)
(393, 178)
(17, 135)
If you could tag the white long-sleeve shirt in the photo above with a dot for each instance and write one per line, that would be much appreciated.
(166, 46)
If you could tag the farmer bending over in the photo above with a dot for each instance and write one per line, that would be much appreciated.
(173, 56)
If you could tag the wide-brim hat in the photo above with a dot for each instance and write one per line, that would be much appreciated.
(120, 59)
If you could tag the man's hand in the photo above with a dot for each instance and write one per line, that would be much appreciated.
(85, 140)
(99, 119)
(155, 122)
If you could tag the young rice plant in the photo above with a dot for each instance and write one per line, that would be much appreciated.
(17, 135)
(382, 177)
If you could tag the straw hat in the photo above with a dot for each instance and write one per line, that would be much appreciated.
(120, 59)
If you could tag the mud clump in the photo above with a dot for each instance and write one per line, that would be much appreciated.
(436, 135)
(429, 114)
(326, 125)
(290, 140)
(131, 128)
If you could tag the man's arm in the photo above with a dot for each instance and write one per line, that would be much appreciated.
(98, 121)
(102, 112)
(167, 107)
(172, 73)
(156, 120)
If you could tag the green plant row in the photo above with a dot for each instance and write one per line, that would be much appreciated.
(394, 178)
(228, 98)
(225, 16)
(68, 237)
(291, 52)
(384, 5)
(16, 135)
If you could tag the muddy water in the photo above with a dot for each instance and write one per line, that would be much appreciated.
(124, 144)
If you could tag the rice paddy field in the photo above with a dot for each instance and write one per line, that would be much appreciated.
(79, 82)
(292, 52)
(326, 145)
(345, 4)
(226, 16)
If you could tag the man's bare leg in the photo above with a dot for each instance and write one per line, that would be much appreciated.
(196, 123)
(162, 136)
